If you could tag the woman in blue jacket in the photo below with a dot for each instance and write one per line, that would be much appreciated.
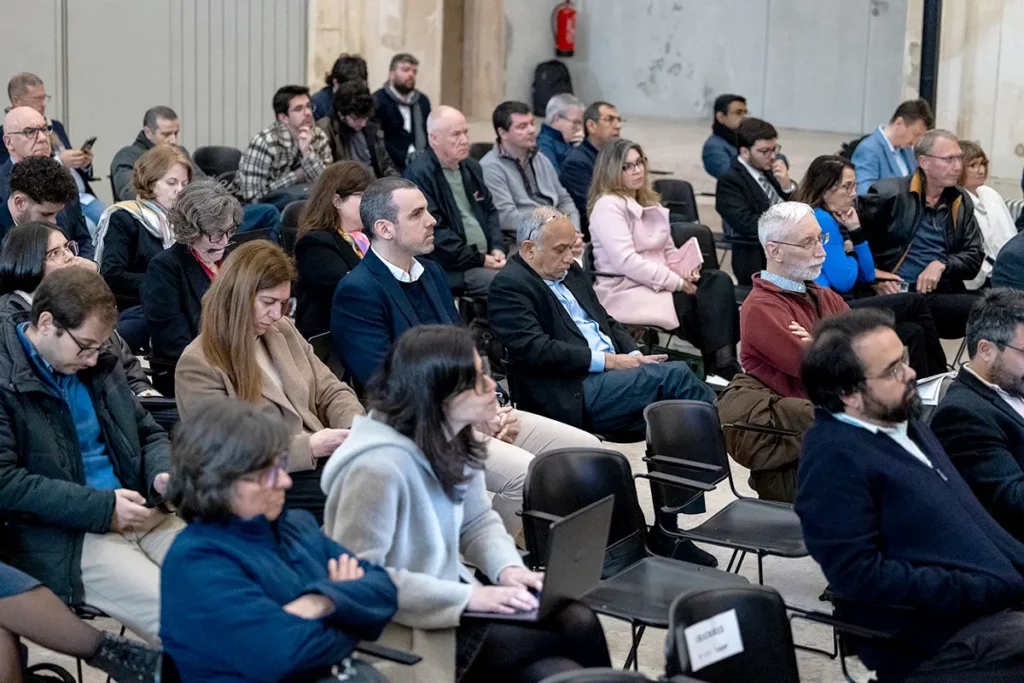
(253, 592)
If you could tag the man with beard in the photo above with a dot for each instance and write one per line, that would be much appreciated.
(402, 111)
(903, 542)
(980, 422)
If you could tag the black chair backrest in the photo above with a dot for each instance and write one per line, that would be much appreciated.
(321, 344)
(676, 428)
(168, 670)
(677, 196)
(764, 630)
(290, 225)
(216, 159)
(477, 150)
(564, 480)
(681, 232)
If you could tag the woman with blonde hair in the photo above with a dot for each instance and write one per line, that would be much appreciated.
(659, 283)
(994, 220)
(248, 347)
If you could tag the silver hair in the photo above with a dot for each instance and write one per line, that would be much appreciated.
(559, 106)
(926, 143)
(20, 83)
(775, 223)
(533, 222)
(203, 207)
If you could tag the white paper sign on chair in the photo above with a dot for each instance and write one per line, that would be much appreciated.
(713, 640)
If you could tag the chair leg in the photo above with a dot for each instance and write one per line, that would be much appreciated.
(731, 560)
(78, 663)
(760, 569)
(632, 659)
(743, 555)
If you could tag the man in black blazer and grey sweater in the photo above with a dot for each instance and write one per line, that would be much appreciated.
(569, 360)
(980, 422)
(756, 180)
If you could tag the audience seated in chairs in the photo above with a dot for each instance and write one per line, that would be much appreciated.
(402, 111)
(160, 126)
(285, 158)
(83, 463)
(631, 235)
(994, 221)
(602, 123)
(31, 611)
(722, 146)
(980, 422)
(756, 180)
(252, 591)
(38, 190)
(467, 236)
(32, 251)
(923, 229)
(352, 131)
(203, 220)
(888, 152)
(392, 291)
(331, 242)
(562, 128)
(518, 176)
(905, 545)
(27, 135)
(402, 491)
(249, 348)
(346, 68)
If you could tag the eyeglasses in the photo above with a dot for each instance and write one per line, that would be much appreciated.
(849, 187)
(897, 370)
(298, 109)
(34, 132)
(218, 235)
(577, 124)
(952, 159)
(267, 478)
(768, 150)
(1009, 346)
(554, 218)
(631, 166)
(63, 253)
(807, 244)
(287, 305)
(83, 350)
(612, 118)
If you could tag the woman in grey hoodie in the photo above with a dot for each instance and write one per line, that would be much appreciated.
(406, 490)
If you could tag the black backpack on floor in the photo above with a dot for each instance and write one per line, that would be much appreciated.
(550, 79)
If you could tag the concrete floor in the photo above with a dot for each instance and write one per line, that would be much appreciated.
(676, 147)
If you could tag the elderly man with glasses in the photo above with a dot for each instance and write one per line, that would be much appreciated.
(922, 227)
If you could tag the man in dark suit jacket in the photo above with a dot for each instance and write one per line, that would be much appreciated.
(756, 179)
(904, 543)
(1009, 268)
(980, 422)
(601, 123)
(570, 360)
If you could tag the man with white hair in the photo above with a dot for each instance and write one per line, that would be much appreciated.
(562, 128)
(467, 237)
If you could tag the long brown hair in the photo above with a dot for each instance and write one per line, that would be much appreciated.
(342, 179)
(228, 342)
(608, 175)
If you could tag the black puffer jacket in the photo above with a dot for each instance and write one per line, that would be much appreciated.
(43, 497)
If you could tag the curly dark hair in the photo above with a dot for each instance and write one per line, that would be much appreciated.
(43, 179)
(354, 98)
(347, 68)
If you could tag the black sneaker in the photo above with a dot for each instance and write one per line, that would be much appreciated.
(126, 661)
(680, 549)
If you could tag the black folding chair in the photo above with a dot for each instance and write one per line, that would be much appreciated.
(767, 651)
(290, 225)
(637, 587)
(691, 430)
(89, 613)
(163, 409)
(677, 196)
(477, 150)
(217, 159)
(683, 231)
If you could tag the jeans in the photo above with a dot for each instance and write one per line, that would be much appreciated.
(133, 327)
(262, 217)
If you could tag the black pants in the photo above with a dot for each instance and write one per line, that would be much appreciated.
(980, 651)
(950, 311)
(567, 640)
(916, 329)
(305, 493)
(710, 318)
(747, 259)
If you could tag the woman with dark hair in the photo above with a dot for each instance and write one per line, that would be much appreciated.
(248, 348)
(353, 132)
(251, 591)
(31, 251)
(331, 242)
(406, 490)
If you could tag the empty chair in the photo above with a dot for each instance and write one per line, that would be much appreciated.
(677, 196)
(216, 159)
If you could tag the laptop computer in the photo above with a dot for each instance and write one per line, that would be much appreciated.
(575, 560)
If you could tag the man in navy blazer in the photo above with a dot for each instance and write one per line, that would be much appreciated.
(904, 543)
(888, 152)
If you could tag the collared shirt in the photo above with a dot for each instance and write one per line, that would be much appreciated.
(783, 282)
(413, 275)
(899, 434)
(272, 160)
(597, 340)
(1015, 402)
(929, 243)
(892, 150)
(525, 168)
(760, 177)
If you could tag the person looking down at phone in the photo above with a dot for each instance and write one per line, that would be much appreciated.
(660, 284)
(82, 464)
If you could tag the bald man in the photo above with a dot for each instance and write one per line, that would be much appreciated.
(467, 237)
(27, 134)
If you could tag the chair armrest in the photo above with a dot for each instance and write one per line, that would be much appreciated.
(540, 516)
(839, 624)
(761, 429)
(388, 653)
(677, 482)
(152, 403)
(598, 273)
(679, 462)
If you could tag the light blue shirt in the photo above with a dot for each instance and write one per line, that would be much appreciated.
(897, 157)
(597, 340)
(784, 282)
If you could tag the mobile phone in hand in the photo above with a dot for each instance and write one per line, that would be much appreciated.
(87, 147)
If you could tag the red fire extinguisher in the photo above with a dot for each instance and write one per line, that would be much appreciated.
(563, 20)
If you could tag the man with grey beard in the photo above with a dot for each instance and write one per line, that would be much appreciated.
(980, 422)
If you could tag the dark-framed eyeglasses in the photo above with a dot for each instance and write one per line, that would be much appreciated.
(896, 370)
(1011, 346)
(631, 166)
(952, 159)
(32, 133)
(807, 244)
(768, 150)
(84, 351)
(63, 253)
(218, 235)
(268, 477)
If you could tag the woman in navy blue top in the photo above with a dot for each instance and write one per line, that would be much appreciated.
(253, 592)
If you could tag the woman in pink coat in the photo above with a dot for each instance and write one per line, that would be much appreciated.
(661, 285)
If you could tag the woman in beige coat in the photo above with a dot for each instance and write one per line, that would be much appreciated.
(248, 348)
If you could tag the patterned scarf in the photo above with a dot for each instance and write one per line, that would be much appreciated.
(150, 214)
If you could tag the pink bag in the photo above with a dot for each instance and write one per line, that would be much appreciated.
(686, 258)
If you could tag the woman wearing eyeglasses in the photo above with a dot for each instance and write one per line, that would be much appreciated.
(31, 251)
(203, 220)
(657, 284)
(994, 221)
(252, 591)
(248, 348)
